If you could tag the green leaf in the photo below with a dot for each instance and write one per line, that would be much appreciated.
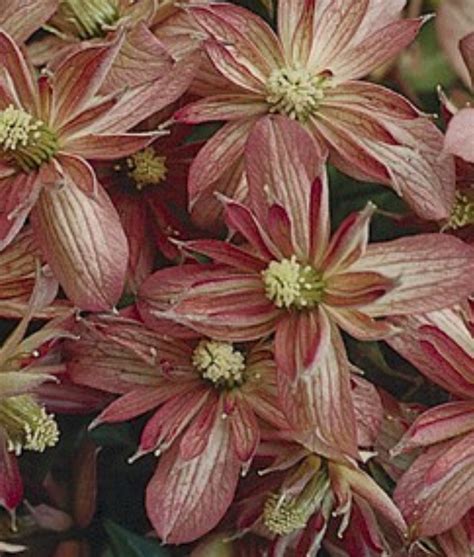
(124, 543)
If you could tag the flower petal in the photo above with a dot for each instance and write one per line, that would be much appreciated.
(433, 271)
(84, 243)
(282, 161)
(459, 136)
(186, 499)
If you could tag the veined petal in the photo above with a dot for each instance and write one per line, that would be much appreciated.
(222, 107)
(171, 419)
(79, 76)
(335, 27)
(109, 146)
(376, 49)
(144, 100)
(301, 341)
(15, 64)
(440, 345)
(364, 486)
(423, 501)
(84, 243)
(240, 219)
(19, 194)
(21, 18)
(433, 271)
(438, 424)
(244, 429)
(349, 242)
(140, 49)
(226, 306)
(282, 161)
(320, 404)
(459, 136)
(80, 172)
(158, 293)
(196, 437)
(226, 253)
(186, 499)
(360, 325)
(240, 31)
(224, 149)
(355, 289)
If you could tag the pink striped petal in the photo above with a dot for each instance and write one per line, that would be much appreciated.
(84, 243)
(320, 404)
(282, 160)
(336, 25)
(224, 252)
(21, 18)
(245, 431)
(109, 146)
(196, 438)
(423, 501)
(223, 150)
(438, 424)
(79, 76)
(432, 271)
(15, 64)
(375, 50)
(186, 499)
(349, 242)
(19, 194)
(222, 108)
(466, 46)
(80, 172)
(301, 340)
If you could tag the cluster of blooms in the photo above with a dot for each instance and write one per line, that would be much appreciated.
(194, 278)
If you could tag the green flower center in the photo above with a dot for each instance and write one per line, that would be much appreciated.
(463, 212)
(25, 140)
(90, 18)
(219, 363)
(289, 284)
(295, 92)
(146, 168)
(27, 425)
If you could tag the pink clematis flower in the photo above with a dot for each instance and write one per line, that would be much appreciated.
(304, 498)
(291, 278)
(311, 72)
(210, 399)
(48, 128)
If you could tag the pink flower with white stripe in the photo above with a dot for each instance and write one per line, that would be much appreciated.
(293, 279)
(210, 399)
(311, 72)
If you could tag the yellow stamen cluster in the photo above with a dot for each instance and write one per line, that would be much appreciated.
(219, 363)
(146, 168)
(90, 18)
(27, 425)
(283, 516)
(25, 140)
(463, 212)
(289, 284)
(295, 92)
